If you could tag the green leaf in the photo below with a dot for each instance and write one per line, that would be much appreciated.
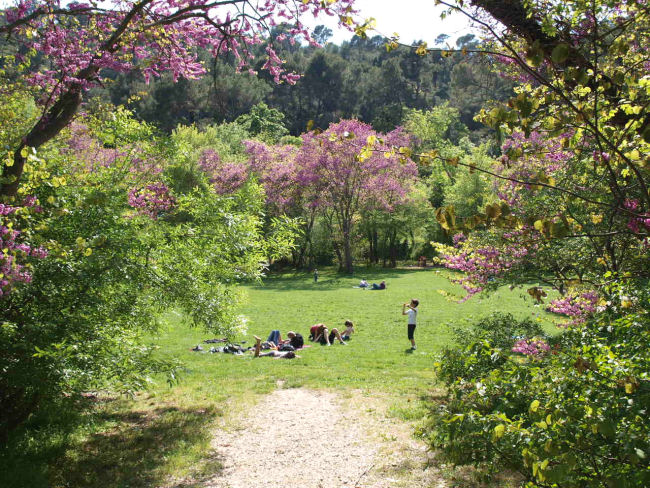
(646, 134)
(560, 53)
(534, 406)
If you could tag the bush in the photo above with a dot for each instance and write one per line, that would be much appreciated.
(483, 346)
(119, 247)
(576, 417)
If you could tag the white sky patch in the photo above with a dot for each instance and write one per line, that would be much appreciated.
(413, 20)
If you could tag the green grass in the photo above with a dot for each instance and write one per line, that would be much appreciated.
(165, 433)
(378, 357)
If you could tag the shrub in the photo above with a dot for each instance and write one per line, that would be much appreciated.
(483, 346)
(576, 417)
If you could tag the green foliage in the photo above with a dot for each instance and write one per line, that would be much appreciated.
(84, 322)
(17, 112)
(264, 122)
(470, 191)
(79, 325)
(437, 128)
(575, 417)
(482, 346)
(225, 139)
(401, 233)
(357, 79)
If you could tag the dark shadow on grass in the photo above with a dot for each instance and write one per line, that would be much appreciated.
(132, 453)
(333, 280)
(408, 351)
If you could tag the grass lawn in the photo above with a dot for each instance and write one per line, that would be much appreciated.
(166, 431)
(378, 358)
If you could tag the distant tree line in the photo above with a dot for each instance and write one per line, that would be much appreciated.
(359, 79)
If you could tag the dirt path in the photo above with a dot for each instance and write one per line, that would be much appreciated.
(315, 439)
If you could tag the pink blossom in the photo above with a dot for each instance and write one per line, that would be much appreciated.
(578, 307)
(163, 37)
(15, 252)
(531, 347)
(152, 200)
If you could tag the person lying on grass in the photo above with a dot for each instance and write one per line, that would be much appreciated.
(272, 354)
(275, 339)
(320, 333)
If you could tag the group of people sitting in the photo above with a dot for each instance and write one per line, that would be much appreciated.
(321, 334)
(285, 349)
(365, 285)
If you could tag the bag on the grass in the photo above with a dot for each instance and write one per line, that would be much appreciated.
(286, 347)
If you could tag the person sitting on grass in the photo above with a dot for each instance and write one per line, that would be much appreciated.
(272, 354)
(380, 286)
(320, 333)
(349, 330)
(294, 340)
(363, 284)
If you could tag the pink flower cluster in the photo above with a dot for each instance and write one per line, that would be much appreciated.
(152, 200)
(579, 307)
(531, 347)
(87, 149)
(458, 238)
(13, 252)
(273, 166)
(324, 172)
(92, 156)
(276, 168)
(226, 177)
(330, 163)
(482, 264)
(81, 40)
(636, 224)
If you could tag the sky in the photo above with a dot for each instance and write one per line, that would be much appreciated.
(413, 20)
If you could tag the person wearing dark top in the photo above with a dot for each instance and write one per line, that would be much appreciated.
(275, 340)
(295, 340)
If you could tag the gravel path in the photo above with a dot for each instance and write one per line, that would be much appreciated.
(310, 439)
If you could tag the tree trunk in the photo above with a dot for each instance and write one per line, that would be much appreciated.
(375, 241)
(48, 127)
(392, 249)
(347, 247)
(299, 262)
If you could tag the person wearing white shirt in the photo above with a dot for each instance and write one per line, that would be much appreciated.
(411, 309)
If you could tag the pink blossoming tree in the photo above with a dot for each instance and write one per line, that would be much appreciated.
(80, 41)
(350, 167)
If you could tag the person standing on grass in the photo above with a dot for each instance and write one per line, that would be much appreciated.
(315, 276)
(411, 309)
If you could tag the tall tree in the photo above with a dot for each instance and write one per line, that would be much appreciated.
(350, 167)
(574, 175)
